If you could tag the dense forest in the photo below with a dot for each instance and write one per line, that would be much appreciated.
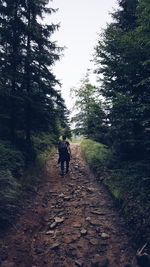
(32, 112)
(114, 115)
(116, 112)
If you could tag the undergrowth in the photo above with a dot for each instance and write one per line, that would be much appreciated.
(17, 179)
(128, 182)
(97, 155)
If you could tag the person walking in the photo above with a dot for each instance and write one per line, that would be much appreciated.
(64, 154)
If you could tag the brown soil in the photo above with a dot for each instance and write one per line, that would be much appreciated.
(72, 221)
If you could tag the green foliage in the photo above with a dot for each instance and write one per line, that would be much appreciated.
(11, 170)
(32, 111)
(11, 159)
(29, 102)
(131, 181)
(90, 117)
(43, 141)
(10, 194)
(44, 145)
(122, 58)
(128, 182)
(97, 155)
(16, 180)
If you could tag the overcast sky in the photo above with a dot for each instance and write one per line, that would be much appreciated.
(80, 23)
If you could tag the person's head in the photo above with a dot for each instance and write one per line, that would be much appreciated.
(64, 137)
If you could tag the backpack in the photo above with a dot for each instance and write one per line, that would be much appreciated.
(63, 147)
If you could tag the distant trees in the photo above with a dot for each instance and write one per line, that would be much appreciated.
(122, 58)
(89, 118)
(29, 102)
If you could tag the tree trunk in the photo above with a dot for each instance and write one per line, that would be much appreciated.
(28, 78)
(13, 117)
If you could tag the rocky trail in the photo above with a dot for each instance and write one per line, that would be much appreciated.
(71, 221)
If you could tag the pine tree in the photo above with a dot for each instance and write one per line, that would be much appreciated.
(90, 117)
(10, 57)
(27, 83)
(120, 58)
(126, 15)
(39, 81)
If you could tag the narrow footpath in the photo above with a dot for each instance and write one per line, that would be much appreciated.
(71, 221)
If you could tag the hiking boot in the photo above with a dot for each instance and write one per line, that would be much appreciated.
(62, 173)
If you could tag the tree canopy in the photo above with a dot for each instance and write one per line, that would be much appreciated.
(29, 102)
(122, 60)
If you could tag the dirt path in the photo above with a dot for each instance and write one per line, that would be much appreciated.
(71, 222)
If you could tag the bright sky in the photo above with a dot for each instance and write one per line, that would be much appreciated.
(80, 23)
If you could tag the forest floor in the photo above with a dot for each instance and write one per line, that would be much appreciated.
(71, 221)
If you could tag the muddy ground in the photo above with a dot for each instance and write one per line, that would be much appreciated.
(71, 221)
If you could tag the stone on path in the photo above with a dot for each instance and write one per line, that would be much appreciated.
(53, 225)
(50, 232)
(67, 198)
(55, 246)
(97, 212)
(88, 219)
(61, 195)
(79, 263)
(93, 241)
(104, 236)
(91, 190)
(77, 225)
(59, 220)
(83, 232)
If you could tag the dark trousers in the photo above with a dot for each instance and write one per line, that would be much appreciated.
(63, 163)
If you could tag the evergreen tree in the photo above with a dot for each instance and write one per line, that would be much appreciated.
(10, 57)
(90, 117)
(27, 84)
(118, 56)
(126, 15)
(39, 81)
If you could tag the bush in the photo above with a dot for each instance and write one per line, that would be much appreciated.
(17, 179)
(11, 169)
(97, 155)
(132, 181)
(10, 190)
(44, 144)
(128, 182)
(11, 159)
